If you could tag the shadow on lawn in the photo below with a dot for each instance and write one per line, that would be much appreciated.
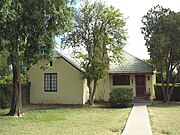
(102, 105)
(166, 105)
(33, 107)
(3, 112)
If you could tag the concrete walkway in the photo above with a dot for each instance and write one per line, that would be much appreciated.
(138, 121)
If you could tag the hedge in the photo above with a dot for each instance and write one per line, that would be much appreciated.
(175, 94)
(6, 94)
(121, 97)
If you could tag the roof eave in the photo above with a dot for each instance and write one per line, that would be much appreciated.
(78, 68)
(74, 65)
(130, 72)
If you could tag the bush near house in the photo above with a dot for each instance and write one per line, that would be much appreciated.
(175, 94)
(121, 97)
(5, 94)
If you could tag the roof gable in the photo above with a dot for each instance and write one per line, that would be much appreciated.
(130, 64)
(70, 60)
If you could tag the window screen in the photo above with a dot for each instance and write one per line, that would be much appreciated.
(121, 80)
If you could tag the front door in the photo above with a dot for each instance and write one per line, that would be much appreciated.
(140, 85)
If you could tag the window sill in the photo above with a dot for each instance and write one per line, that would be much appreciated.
(50, 91)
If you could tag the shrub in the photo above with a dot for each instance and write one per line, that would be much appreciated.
(5, 102)
(5, 94)
(175, 94)
(121, 97)
(8, 79)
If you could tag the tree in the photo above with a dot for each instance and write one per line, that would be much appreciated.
(97, 38)
(162, 34)
(28, 27)
(4, 66)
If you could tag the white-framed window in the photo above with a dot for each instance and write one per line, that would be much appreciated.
(50, 82)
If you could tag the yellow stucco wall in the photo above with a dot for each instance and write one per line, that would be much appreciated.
(153, 83)
(149, 85)
(70, 85)
(103, 89)
(105, 86)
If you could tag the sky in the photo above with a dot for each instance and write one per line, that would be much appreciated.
(134, 10)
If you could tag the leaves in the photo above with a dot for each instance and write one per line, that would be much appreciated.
(99, 32)
(97, 38)
(28, 28)
(32, 25)
(162, 34)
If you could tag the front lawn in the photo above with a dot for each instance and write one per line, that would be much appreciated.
(65, 121)
(165, 119)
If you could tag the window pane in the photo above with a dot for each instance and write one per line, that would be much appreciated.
(121, 80)
(47, 81)
(54, 82)
(50, 81)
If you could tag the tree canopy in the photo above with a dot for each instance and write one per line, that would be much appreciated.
(97, 38)
(29, 27)
(162, 34)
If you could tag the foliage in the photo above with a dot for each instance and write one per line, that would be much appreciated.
(4, 66)
(97, 38)
(6, 93)
(162, 34)
(121, 97)
(28, 29)
(175, 94)
(34, 24)
(158, 77)
(8, 79)
(171, 80)
(5, 96)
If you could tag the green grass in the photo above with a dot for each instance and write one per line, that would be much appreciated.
(165, 119)
(65, 121)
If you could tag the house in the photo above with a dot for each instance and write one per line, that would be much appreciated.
(132, 73)
(63, 83)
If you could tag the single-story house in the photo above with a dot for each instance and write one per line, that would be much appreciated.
(132, 73)
(62, 83)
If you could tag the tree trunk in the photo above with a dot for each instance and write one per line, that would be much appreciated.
(90, 90)
(167, 83)
(163, 87)
(16, 103)
(91, 97)
(172, 88)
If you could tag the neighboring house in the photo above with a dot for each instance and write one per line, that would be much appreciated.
(63, 83)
